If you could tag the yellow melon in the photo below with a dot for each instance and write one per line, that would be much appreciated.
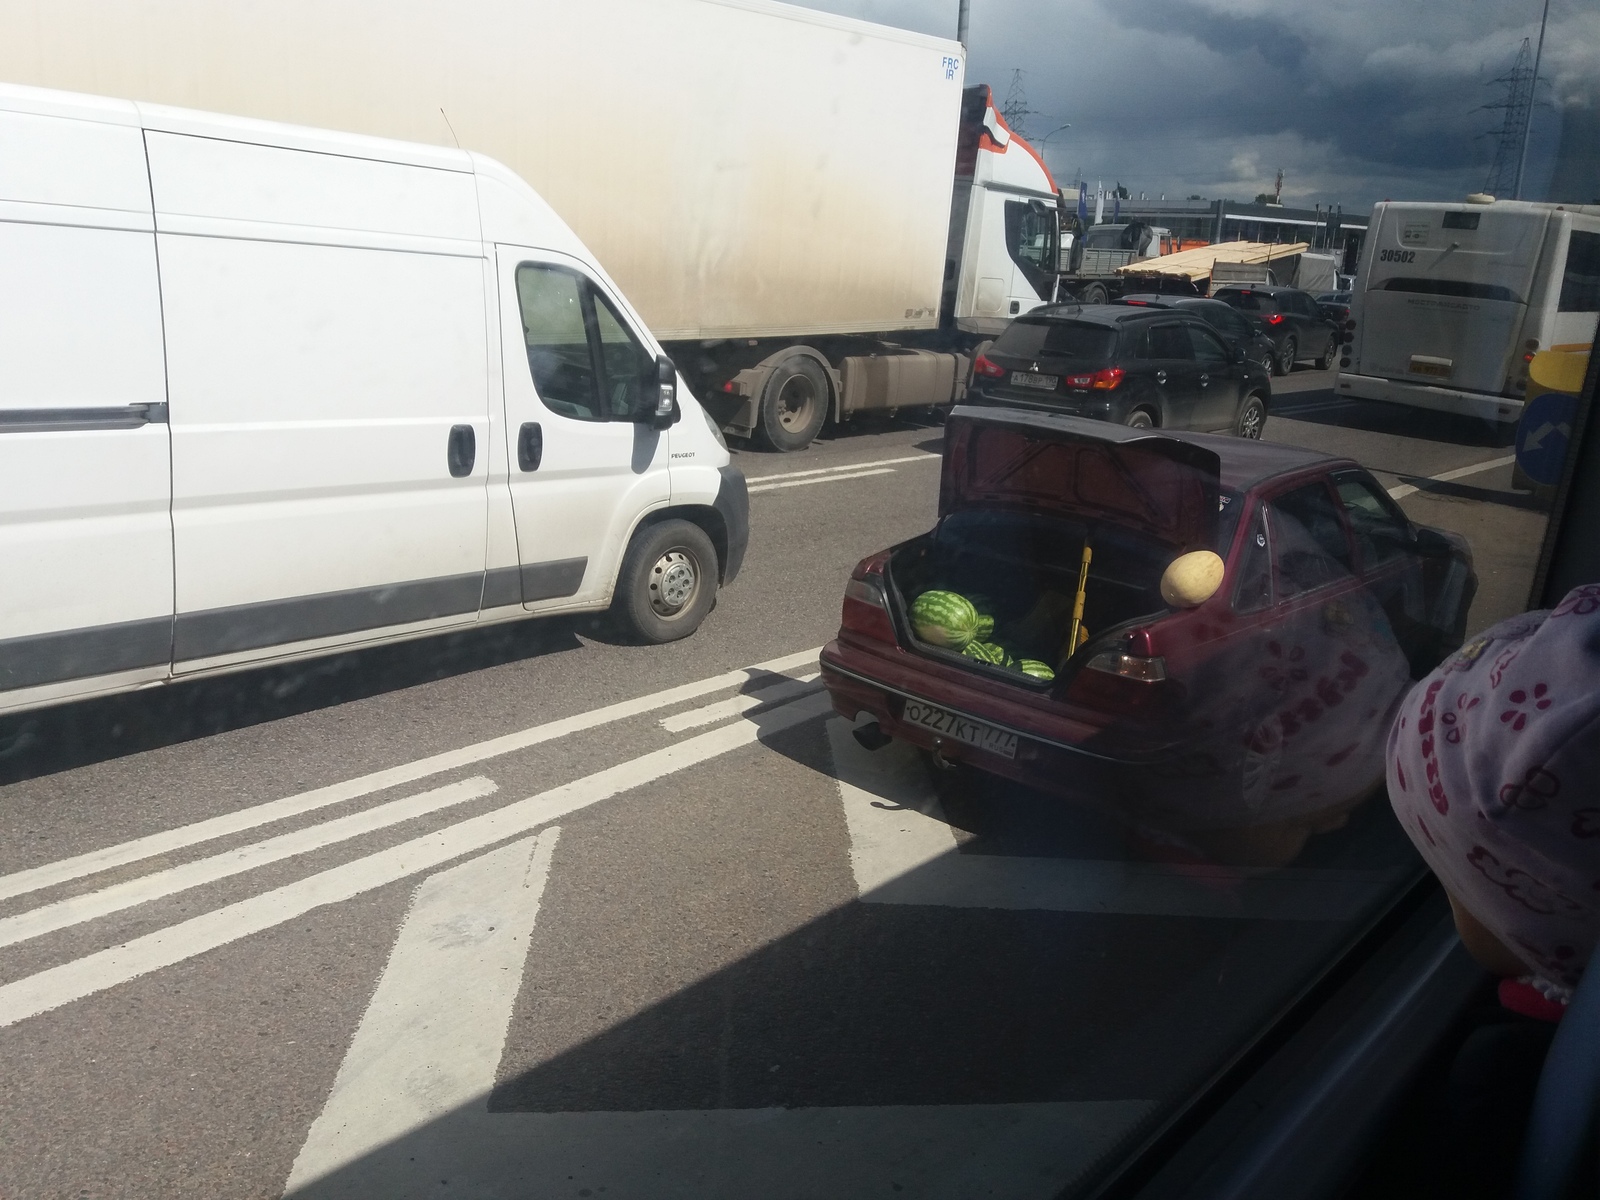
(1191, 579)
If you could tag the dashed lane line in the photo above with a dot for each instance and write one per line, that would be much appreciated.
(1407, 489)
(75, 910)
(758, 480)
(723, 709)
(74, 980)
(64, 870)
(794, 483)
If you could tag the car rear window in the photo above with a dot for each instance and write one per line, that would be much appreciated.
(1056, 339)
(1248, 301)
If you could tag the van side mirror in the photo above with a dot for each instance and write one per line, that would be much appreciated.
(658, 406)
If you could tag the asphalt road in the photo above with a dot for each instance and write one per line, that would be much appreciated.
(527, 913)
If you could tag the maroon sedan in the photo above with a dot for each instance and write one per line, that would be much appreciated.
(1250, 683)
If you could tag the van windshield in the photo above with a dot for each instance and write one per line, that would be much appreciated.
(1050, 338)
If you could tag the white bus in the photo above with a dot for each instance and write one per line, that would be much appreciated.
(1452, 301)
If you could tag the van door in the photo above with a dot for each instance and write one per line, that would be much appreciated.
(328, 364)
(582, 470)
(85, 474)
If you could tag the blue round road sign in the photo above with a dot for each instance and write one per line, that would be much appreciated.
(1542, 436)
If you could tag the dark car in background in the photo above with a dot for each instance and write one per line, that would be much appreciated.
(1335, 306)
(1207, 704)
(1135, 365)
(1235, 329)
(1290, 318)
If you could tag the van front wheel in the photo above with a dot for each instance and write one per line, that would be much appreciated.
(667, 584)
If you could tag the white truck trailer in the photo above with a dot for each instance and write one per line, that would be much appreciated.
(771, 186)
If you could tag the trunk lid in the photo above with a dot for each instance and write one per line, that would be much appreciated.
(1146, 482)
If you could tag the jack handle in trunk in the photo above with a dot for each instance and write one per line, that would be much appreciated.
(1077, 601)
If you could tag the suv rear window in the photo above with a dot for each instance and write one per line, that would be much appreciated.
(1056, 339)
(1248, 301)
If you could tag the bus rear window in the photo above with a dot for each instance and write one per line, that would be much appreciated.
(1449, 287)
(1461, 220)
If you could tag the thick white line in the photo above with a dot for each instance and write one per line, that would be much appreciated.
(77, 909)
(82, 977)
(723, 709)
(50, 874)
(1406, 489)
(794, 483)
(877, 462)
(430, 1040)
(903, 852)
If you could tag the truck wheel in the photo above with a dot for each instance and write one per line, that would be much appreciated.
(794, 404)
(1095, 293)
(1286, 356)
(667, 584)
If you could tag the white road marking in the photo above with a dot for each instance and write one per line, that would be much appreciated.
(431, 1038)
(877, 462)
(77, 909)
(794, 483)
(1460, 472)
(903, 852)
(723, 709)
(64, 870)
(96, 972)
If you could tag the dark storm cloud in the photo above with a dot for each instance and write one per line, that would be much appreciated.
(1276, 45)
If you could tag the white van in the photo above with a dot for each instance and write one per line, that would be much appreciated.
(1452, 301)
(268, 392)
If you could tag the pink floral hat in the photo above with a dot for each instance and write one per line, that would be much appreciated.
(1494, 772)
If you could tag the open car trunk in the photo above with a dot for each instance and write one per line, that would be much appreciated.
(1022, 494)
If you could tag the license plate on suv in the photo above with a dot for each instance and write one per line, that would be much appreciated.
(962, 729)
(1030, 380)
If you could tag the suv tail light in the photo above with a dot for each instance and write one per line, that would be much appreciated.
(866, 607)
(982, 366)
(1273, 318)
(1104, 380)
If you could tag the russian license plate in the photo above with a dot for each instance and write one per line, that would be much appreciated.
(1029, 379)
(1438, 368)
(962, 729)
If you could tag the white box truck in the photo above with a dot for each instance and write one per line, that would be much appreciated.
(1453, 300)
(772, 186)
(269, 392)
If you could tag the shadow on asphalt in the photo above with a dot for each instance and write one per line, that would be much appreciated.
(1397, 420)
(89, 731)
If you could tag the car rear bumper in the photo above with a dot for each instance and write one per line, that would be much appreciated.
(1424, 395)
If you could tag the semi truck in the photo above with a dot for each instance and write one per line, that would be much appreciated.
(815, 215)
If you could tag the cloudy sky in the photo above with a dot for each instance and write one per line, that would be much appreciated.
(1355, 100)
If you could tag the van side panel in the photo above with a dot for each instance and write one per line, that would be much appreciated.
(85, 481)
(326, 349)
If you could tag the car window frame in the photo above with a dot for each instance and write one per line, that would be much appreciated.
(1385, 502)
(1351, 574)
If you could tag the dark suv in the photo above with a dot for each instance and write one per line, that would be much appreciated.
(1136, 365)
(1228, 321)
(1290, 317)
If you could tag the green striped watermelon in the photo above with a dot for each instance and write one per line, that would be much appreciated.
(944, 618)
(984, 606)
(987, 652)
(1035, 668)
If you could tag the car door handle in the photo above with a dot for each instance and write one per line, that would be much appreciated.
(462, 450)
(1161, 376)
(530, 445)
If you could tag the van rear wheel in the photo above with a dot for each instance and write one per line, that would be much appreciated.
(667, 584)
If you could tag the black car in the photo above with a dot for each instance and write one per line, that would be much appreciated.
(1136, 365)
(1335, 306)
(1224, 318)
(1289, 317)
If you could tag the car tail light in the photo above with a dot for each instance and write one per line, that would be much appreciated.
(866, 608)
(1273, 319)
(1137, 303)
(982, 366)
(1104, 380)
(1129, 666)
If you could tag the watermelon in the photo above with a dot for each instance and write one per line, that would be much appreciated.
(1035, 668)
(987, 652)
(944, 619)
(985, 627)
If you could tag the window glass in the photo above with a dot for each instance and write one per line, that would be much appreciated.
(1254, 589)
(1379, 537)
(1580, 281)
(553, 326)
(1246, 301)
(1207, 349)
(1170, 342)
(1457, 288)
(1031, 242)
(1055, 339)
(628, 366)
(1308, 540)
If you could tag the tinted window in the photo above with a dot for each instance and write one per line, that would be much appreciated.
(1220, 316)
(1308, 540)
(1461, 220)
(1247, 301)
(1448, 287)
(1379, 536)
(1254, 589)
(556, 333)
(1580, 282)
(1055, 339)
(1207, 348)
(1170, 341)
